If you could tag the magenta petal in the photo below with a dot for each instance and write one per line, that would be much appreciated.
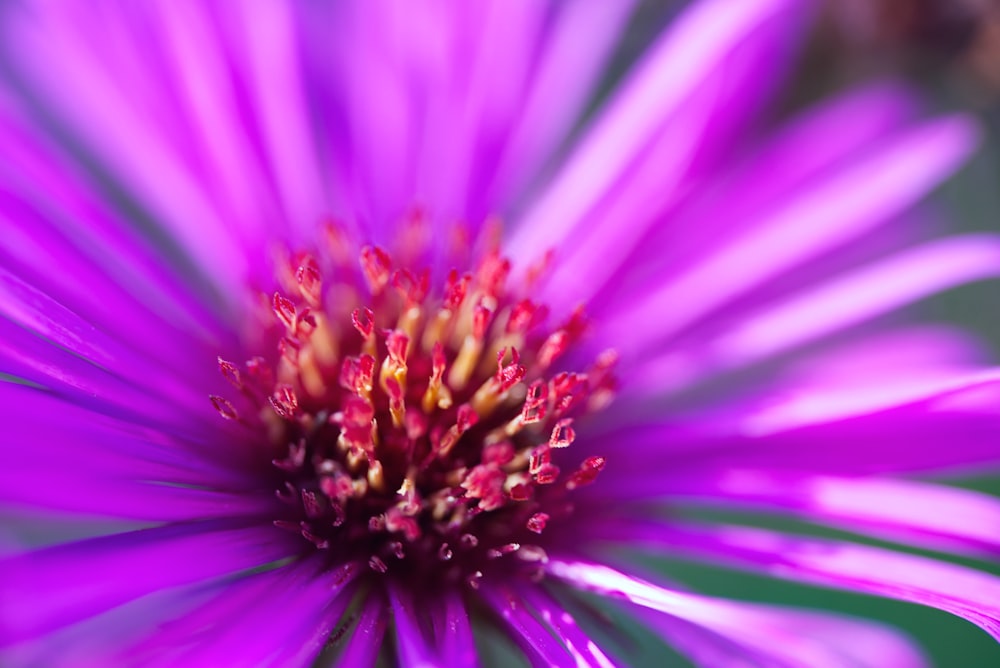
(253, 620)
(967, 593)
(44, 590)
(534, 639)
(573, 53)
(693, 48)
(922, 514)
(562, 624)
(787, 637)
(364, 634)
(844, 204)
(833, 432)
(413, 644)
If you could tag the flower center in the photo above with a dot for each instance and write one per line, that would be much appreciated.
(418, 430)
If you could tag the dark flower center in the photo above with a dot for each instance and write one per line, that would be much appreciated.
(419, 430)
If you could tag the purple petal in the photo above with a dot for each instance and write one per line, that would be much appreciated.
(831, 432)
(566, 70)
(269, 60)
(967, 593)
(453, 632)
(922, 514)
(857, 296)
(534, 639)
(363, 644)
(787, 637)
(841, 206)
(584, 649)
(412, 641)
(650, 135)
(254, 620)
(50, 588)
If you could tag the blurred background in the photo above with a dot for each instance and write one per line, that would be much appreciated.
(949, 52)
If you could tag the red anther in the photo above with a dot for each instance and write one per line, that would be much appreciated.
(473, 580)
(496, 553)
(438, 362)
(231, 373)
(311, 504)
(320, 542)
(553, 348)
(413, 289)
(357, 374)
(445, 553)
(397, 522)
(284, 309)
(416, 424)
(357, 420)
(547, 474)
(498, 454)
(510, 375)
(587, 472)
(289, 493)
(289, 349)
(337, 242)
(538, 269)
(376, 265)
(524, 315)
(536, 522)
(226, 409)
(486, 484)
(309, 279)
(305, 323)
(466, 418)
(396, 548)
(535, 402)
(468, 541)
(339, 516)
(337, 486)
(455, 290)
(576, 324)
(376, 523)
(284, 402)
(540, 456)
(492, 274)
(522, 492)
(377, 565)
(260, 373)
(363, 320)
(287, 526)
(395, 392)
(481, 318)
(567, 390)
(562, 434)
(295, 459)
(396, 343)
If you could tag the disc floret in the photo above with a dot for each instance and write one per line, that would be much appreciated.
(413, 429)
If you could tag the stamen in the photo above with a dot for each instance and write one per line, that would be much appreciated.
(451, 459)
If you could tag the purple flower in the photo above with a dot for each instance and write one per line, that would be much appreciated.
(263, 347)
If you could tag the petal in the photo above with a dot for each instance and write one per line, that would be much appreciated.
(819, 217)
(916, 513)
(361, 647)
(644, 112)
(967, 593)
(857, 296)
(899, 429)
(253, 620)
(787, 637)
(45, 590)
(583, 648)
(534, 639)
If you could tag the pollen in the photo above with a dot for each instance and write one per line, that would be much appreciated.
(422, 425)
